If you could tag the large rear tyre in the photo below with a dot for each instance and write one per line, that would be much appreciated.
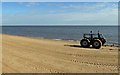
(85, 43)
(97, 44)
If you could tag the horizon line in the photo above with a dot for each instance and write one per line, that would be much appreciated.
(50, 25)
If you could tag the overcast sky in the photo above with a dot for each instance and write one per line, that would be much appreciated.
(60, 13)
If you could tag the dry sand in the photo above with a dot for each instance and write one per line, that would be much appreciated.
(30, 55)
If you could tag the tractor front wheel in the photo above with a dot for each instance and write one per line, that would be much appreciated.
(85, 43)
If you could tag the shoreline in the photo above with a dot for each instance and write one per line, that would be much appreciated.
(30, 55)
(67, 40)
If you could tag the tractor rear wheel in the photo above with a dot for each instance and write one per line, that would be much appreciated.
(85, 43)
(97, 44)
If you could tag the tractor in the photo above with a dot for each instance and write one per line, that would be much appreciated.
(96, 40)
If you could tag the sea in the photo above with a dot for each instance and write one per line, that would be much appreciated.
(64, 33)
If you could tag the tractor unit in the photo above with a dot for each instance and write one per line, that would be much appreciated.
(96, 40)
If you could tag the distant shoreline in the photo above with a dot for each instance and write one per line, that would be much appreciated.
(66, 40)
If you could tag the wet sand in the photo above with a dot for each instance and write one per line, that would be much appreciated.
(30, 55)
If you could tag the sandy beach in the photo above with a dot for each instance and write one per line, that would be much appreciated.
(30, 55)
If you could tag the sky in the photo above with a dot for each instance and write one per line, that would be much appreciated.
(60, 0)
(59, 13)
